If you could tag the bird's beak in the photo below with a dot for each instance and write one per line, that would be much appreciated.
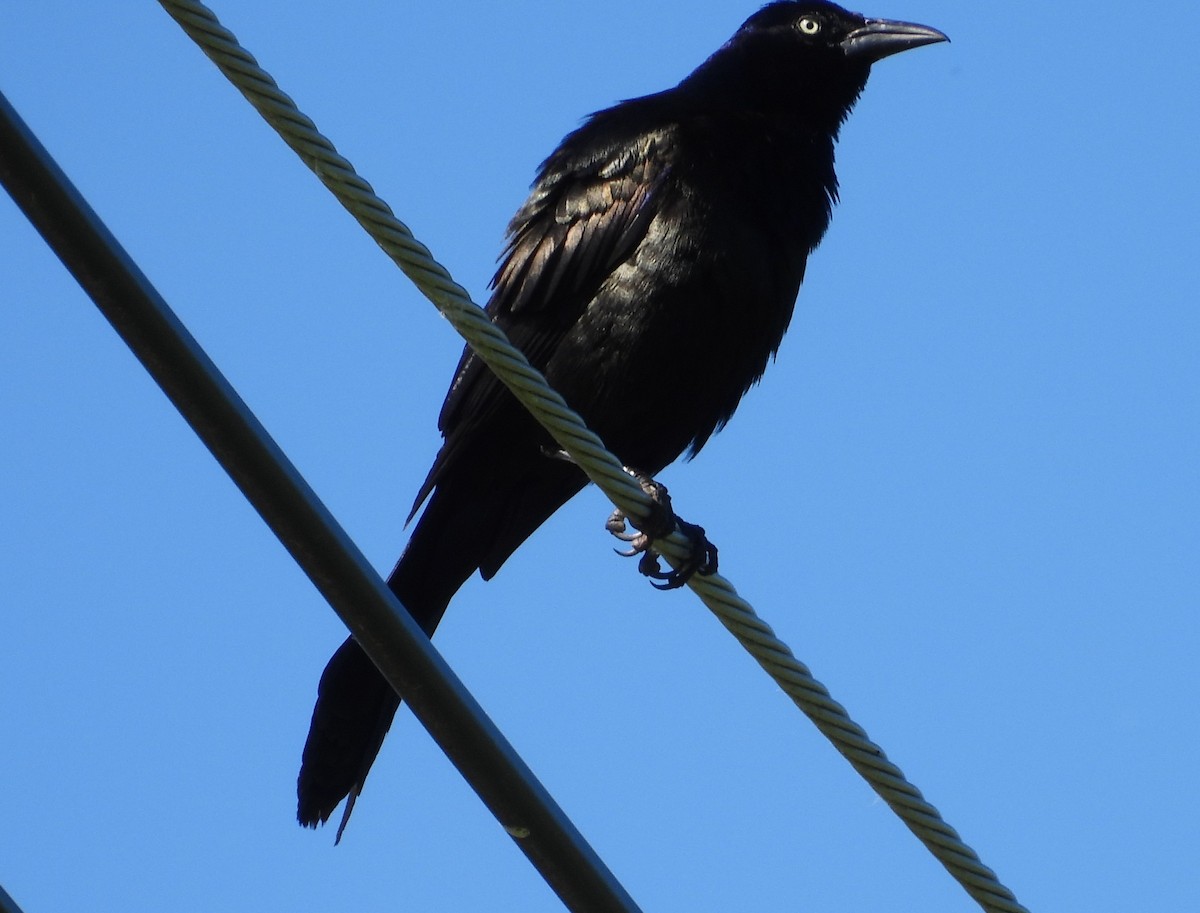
(879, 38)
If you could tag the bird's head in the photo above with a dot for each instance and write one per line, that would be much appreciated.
(793, 50)
(827, 31)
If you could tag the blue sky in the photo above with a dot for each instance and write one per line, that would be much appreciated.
(966, 493)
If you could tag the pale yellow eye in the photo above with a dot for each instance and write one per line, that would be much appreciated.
(809, 26)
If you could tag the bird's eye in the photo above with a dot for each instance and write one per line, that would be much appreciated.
(809, 26)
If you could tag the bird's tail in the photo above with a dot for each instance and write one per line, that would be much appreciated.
(355, 704)
(473, 521)
(354, 709)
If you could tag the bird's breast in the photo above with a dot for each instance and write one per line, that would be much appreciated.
(683, 327)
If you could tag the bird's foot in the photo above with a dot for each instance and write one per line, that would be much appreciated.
(659, 524)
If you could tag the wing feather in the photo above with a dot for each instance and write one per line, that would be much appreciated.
(582, 220)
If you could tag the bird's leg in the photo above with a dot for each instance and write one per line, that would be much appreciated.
(659, 524)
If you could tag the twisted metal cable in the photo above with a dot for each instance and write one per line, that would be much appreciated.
(587, 450)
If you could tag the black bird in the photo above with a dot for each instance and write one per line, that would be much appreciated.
(650, 275)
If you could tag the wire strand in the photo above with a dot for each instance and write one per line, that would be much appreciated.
(586, 449)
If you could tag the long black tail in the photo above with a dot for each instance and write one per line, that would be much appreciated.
(355, 704)
(471, 522)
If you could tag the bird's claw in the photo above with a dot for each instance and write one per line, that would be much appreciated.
(630, 537)
(702, 560)
(662, 521)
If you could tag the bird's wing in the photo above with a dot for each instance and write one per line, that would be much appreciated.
(579, 223)
(584, 217)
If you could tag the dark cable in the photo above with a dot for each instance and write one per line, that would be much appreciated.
(271, 483)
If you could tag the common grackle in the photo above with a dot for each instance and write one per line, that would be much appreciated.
(651, 276)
